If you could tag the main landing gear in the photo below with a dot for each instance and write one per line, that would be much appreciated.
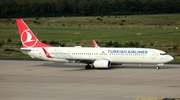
(88, 66)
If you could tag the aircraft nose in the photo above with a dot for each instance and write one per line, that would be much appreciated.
(170, 58)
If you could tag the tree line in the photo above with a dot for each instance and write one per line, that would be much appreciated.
(51, 8)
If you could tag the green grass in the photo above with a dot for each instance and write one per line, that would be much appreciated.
(121, 34)
(145, 29)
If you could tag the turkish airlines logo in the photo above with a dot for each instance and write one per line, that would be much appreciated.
(28, 39)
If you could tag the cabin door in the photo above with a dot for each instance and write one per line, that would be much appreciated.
(153, 54)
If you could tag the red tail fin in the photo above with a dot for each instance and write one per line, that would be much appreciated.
(28, 39)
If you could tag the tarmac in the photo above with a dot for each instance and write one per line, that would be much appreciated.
(44, 80)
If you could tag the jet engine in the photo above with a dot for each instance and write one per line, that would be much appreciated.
(102, 63)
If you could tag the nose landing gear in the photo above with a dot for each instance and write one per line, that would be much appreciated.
(157, 67)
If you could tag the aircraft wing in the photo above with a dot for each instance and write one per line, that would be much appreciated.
(70, 59)
(87, 60)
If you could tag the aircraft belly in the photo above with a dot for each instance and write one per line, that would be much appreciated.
(130, 59)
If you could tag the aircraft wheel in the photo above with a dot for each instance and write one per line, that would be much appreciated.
(88, 66)
(157, 67)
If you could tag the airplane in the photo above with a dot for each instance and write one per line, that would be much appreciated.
(94, 57)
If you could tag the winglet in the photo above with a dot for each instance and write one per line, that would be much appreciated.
(95, 44)
(28, 38)
(46, 53)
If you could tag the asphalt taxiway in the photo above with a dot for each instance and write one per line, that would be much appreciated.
(43, 80)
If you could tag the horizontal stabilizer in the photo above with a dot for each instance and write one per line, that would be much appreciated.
(25, 49)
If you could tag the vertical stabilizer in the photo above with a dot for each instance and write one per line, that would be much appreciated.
(28, 38)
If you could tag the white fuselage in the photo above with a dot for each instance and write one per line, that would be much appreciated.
(114, 55)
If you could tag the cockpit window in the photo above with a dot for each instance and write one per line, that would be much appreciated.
(163, 53)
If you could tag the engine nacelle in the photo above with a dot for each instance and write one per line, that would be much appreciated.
(102, 63)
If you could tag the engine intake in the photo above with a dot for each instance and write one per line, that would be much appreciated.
(102, 63)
